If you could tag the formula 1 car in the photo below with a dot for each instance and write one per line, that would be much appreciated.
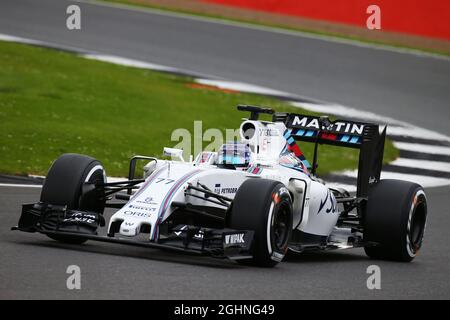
(251, 201)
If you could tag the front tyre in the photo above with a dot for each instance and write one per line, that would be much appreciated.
(63, 186)
(395, 219)
(264, 206)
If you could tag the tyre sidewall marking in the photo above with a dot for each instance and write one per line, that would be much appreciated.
(93, 170)
(275, 255)
(409, 246)
(269, 225)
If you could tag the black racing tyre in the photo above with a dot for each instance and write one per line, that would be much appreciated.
(395, 219)
(264, 206)
(63, 186)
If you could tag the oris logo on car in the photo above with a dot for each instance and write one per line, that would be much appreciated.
(136, 214)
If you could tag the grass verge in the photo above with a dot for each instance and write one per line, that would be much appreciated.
(53, 102)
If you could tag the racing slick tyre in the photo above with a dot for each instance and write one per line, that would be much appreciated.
(395, 219)
(264, 206)
(63, 186)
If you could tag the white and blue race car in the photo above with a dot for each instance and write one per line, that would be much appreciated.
(251, 201)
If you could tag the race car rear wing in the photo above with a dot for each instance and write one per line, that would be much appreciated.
(357, 135)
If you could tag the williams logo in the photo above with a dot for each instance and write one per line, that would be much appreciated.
(237, 238)
(332, 207)
(148, 200)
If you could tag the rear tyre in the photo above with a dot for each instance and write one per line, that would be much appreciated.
(264, 206)
(63, 186)
(395, 219)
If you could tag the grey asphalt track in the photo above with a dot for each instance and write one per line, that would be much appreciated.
(33, 266)
(415, 89)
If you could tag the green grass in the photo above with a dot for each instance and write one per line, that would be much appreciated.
(392, 44)
(53, 102)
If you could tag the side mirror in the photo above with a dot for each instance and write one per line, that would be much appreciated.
(176, 154)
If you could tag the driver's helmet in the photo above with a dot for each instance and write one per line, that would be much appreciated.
(290, 160)
(234, 153)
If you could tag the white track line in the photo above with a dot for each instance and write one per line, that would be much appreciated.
(427, 164)
(14, 185)
(422, 148)
(424, 181)
(103, 57)
(242, 87)
(128, 62)
(18, 185)
(416, 132)
(9, 38)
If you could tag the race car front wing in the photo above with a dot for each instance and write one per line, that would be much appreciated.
(60, 222)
